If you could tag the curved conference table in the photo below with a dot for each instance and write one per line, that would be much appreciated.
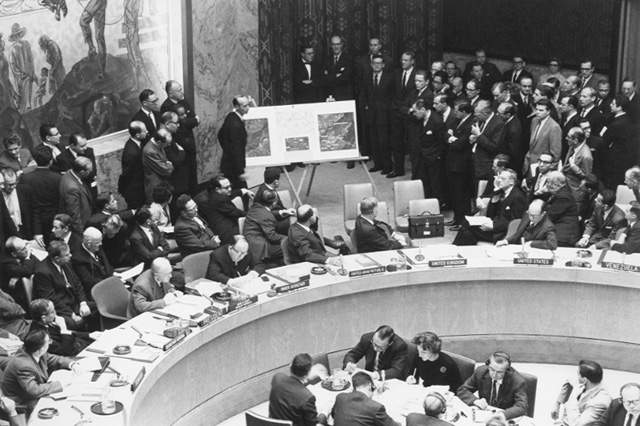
(544, 314)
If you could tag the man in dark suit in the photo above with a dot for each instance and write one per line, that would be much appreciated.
(75, 196)
(562, 209)
(487, 136)
(629, 241)
(625, 411)
(512, 144)
(18, 265)
(357, 407)
(362, 64)
(18, 203)
(441, 105)
(78, 146)
(498, 385)
(338, 71)
(289, 398)
(605, 221)
(458, 163)
(524, 99)
(403, 87)
(50, 137)
(307, 77)
(507, 203)
(155, 163)
(63, 341)
(176, 154)
(131, 181)
(518, 72)
(603, 102)
(376, 99)
(26, 377)
(569, 118)
(596, 146)
(628, 89)
(280, 211)
(419, 98)
(260, 230)
(384, 352)
(434, 406)
(148, 112)
(588, 109)
(147, 241)
(372, 234)
(55, 280)
(432, 149)
(619, 142)
(587, 78)
(304, 243)
(491, 71)
(232, 137)
(12, 313)
(217, 208)
(192, 233)
(90, 263)
(535, 229)
(153, 289)
(231, 261)
(482, 83)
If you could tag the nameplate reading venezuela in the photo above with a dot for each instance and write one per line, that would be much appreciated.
(285, 288)
(440, 263)
(367, 271)
(532, 261)
(620, 266)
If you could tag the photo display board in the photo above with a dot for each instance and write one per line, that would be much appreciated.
(307, 133)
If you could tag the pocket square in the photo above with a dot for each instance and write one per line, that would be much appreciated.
(429, 132)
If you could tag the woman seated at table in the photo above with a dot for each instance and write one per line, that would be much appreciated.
(26, 376)
(430, 365)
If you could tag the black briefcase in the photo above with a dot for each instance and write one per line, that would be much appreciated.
(426, 226)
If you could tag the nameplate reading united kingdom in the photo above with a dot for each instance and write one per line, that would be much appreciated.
(440, 263)
(367, 271)
(532, 261)
(620, 266)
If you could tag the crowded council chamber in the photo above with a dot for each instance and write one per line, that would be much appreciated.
(382, 215)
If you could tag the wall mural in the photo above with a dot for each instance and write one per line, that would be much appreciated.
(79, 63)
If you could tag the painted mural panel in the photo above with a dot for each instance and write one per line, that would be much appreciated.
(79, 63)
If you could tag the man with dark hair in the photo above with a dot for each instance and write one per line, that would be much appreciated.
(628, 89)
(588, 109)
(106, 205)
(524, 100)
(629, 240)
(458, 163)
(281, 213)
(63, 341)
(232, 137)
(216, 205)
(431, 143)
(358, 407)
(232, 261)
(596, 146)
(307, 77)
(518, 70)
(50, 137)
(626, 409)
(55, 280)
(372, 234)
(15, 156)
(491, 71)
(498, 385)
(435, 406)
(587, 70)
(155, 163)
(385, 354)
(147, 241)
(78, 146)
(593, 399)
(192, 233)
(26, 378)
(290, 399)
(605, 222)
(176, 154)
(75, 196)
(131, 181)
(546, 135)
(603, 101)
(415, 101)
(404, 87)
(12, 314)
(148, 112)
(512, 144)
(44, 187)
(260, 230)
(376, 99)
(620, 144)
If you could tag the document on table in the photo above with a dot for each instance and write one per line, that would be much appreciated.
(130, 273)
(479, 220)
(186, 306)
(251, 287)
(205, 287)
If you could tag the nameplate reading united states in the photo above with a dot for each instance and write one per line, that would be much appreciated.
(533, 261)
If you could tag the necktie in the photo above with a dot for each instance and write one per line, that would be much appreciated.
(376, 79)
(152, 118)
(569, 155)
(376, 364)
(494, 394)
(404, 79)
(535, 134)
(66, 281)
(335, 59)
(629, 421)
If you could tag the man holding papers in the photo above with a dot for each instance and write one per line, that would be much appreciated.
(153, 289)
(232, 261)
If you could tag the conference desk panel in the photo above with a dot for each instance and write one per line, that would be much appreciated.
(539, 314)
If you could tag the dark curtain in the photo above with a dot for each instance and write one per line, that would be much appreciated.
(286, 24)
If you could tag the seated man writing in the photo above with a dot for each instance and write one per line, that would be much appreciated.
(385, 354)
(372, 234)
(232, 261)
(152, 289)
(536, 229)
(498, 385)
(506, 204)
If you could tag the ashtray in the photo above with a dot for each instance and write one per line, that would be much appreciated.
(97, 408)
(47, 413)
(221, 296)
(419, 257)
(117, 383)
(584, 253)
(173, 332)
(122, 350)
(334, 386)
(318, 270)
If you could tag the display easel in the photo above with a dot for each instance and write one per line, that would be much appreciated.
(314, 165)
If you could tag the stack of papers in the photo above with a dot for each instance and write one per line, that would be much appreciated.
(479, 220)
(250, 287)
(10, 346)
(186, 306)
(130, 273)
(205, 287)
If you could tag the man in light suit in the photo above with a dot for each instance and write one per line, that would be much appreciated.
(157, 167)
(304, 243)
(192, 233)
(577, 164)
(546, 135)
(153, 289)
(605, 222)
(372, 234)
(435, 406)
(75, 196)
(625, 411)
(131, 181)
(358, 407)
(593, 399)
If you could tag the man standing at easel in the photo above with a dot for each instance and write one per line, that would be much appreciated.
(232, 137)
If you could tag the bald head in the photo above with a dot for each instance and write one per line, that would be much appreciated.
(304, 213)
(535, 208)
(434, 405)
(92, 239)
(91, 233)
(82, 166)
(161, 269)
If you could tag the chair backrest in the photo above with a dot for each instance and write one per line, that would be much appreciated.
(424, 206)
(241, 223)
(512, 228)
(195, 265)
(321, 359)
(284, 246)
(353, 194)
(285, 197)
(403, 192)
(254, 419)
(531, 382)
(111, 298)
(624, 195)
(466, 365)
